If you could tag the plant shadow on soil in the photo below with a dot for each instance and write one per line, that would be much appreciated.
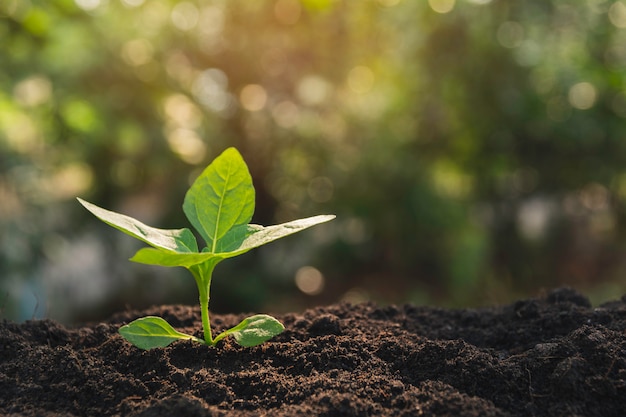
(551, 356)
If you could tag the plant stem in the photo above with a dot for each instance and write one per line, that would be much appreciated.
(206, 322)
(202, 274)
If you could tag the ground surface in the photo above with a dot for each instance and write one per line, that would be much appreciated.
(554, 356)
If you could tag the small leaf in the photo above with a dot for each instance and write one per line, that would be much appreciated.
(152, 332)
(221, 198)
(254, 330)
(178, 240)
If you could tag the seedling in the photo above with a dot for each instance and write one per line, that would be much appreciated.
(219, 205)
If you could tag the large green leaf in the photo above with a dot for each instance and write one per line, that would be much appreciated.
(221, 198)
(259, 235)
(152, 332)
(178, 240)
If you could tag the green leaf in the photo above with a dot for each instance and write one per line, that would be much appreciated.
(239, 240)
(259, 235)
(152, 332)
(253, 330)
(162, 257)
(235, 238)
(221, 198)
(178, 240)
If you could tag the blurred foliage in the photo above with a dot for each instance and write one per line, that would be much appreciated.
(473, 150)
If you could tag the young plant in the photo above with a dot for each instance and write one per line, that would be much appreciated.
(219, 205)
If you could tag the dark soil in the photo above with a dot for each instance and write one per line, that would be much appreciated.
(554, 356)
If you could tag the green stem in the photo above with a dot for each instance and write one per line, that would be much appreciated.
(206, 322)
(202, 274)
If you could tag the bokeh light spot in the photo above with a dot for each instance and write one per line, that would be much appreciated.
(253, 97)
(528, 53)
(179, 68)
(69, 181)
(137, 52)
(617, 14)
(210, 90)
(187, 145)
(80, 115)
(185, 16)
(286, 114)
(356, 295)
(313, 90)
(181, 111)
(154, 17)
(442, 6)
(309, 280)
(88, 5)
(450, 181)
(22, 134)
(33, 91)
(211, 21)
(534, 217)
(132, 3)
(595, 197)
(16, 9)
(582, 95)
(361, 79)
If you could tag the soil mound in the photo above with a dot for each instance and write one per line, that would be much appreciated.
(553, 356)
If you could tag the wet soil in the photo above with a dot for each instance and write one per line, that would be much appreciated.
(551, 356)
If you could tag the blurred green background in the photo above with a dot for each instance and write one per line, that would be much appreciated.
(474, 151)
